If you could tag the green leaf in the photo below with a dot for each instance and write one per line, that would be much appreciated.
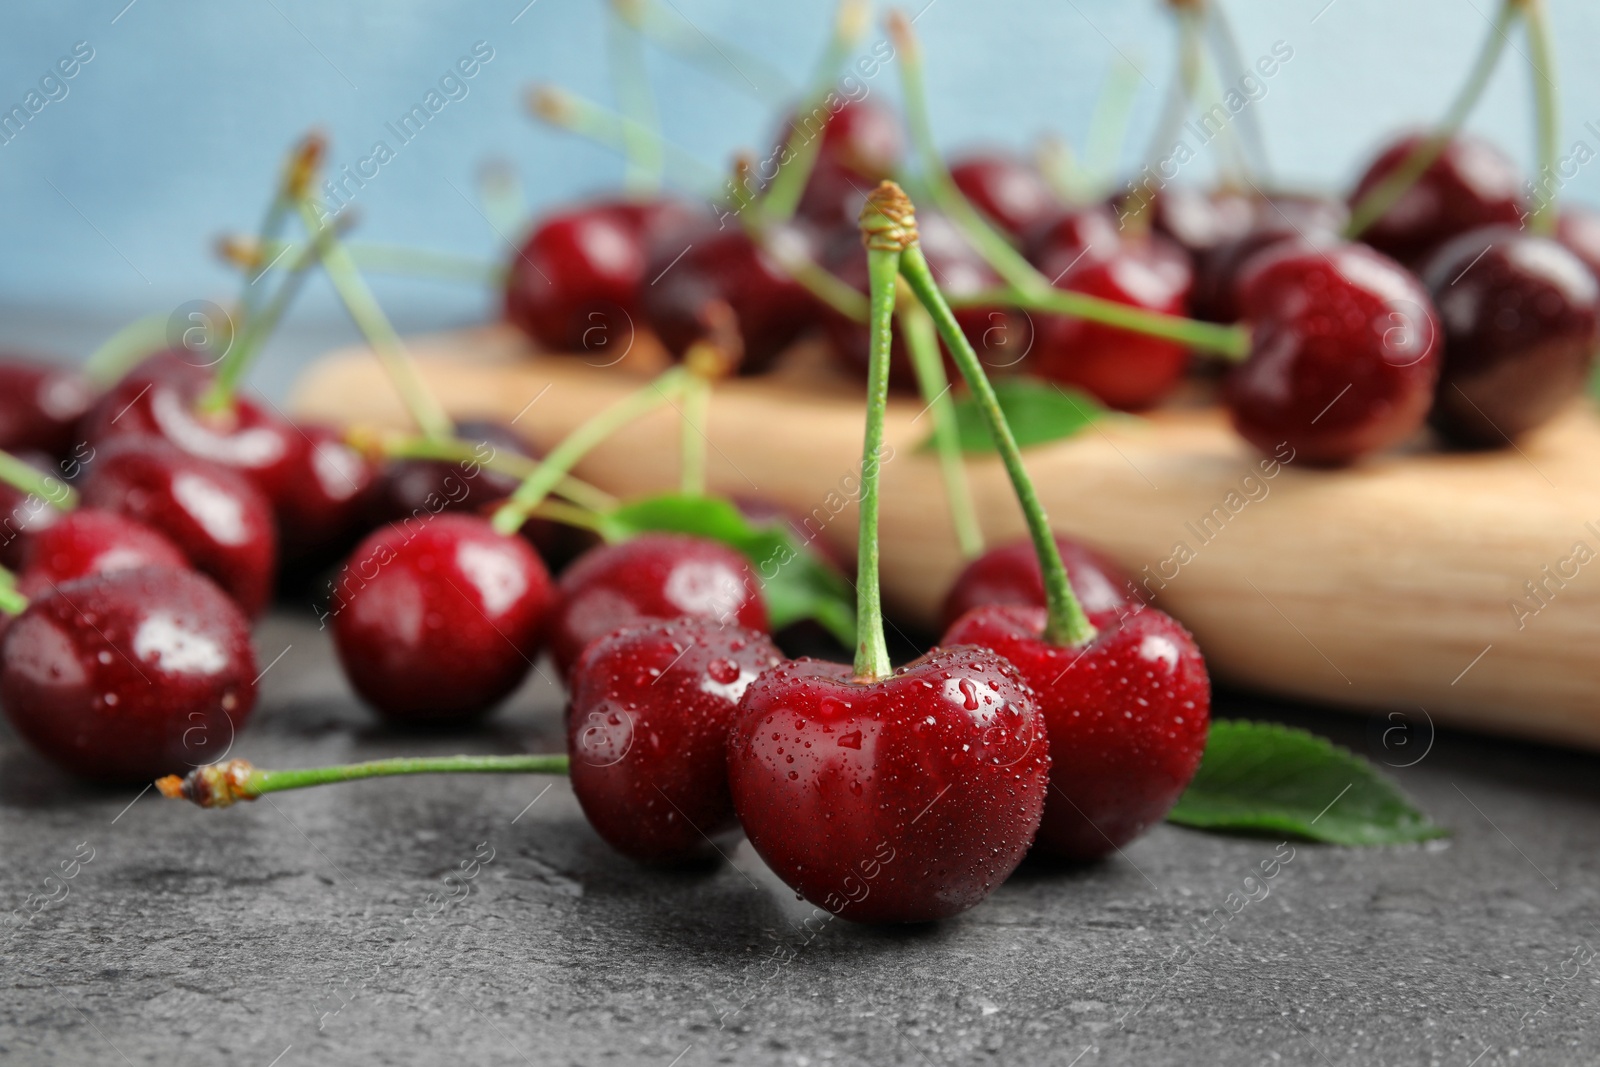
(796, 583)
(1036, 410)
(1264, 778)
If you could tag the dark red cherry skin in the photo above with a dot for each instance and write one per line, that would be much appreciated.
(438, 621)
(1344, 354)
(647, 732)
(1000, 336)
(652, 576)
(24, 515)
(1196, 219)
(862, 144)
(1125, 370)
(90, 541)
(1578, 229)
(412, 487)
(1519, 314)
(1471, 184)
(127, 676)
(1088, 231)
(1009, 574)
(688, 274)
(326, 499)
(1126, 714)
(574, 286)
(1010, 191)
(40, 405)
(902, 800)
(1277, 218)
(220, 521)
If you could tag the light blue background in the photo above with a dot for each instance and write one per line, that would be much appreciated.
(175, 129)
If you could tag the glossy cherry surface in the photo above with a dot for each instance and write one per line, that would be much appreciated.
(220, 521)
(1472, 184)
(40, 405)
(652, 576)
(647, 732)
(1345, 351)
(125, 676)
(1010, 191)
(1520, 314)
(574, 286)
(326, 498)
(1275, 219)
(413, 487)
(902, 800)
(24, 515)
(1578, 229)
(90, 541)
(1127, 716)
(688, 275)
(862, 144)
(437, 621)
(1195, 219)
(1121, 368)
(1009, 574)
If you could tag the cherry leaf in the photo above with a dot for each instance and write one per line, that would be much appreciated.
(1037, 411)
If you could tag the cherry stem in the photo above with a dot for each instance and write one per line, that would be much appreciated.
(1030, 288)
(1388, 192)
(1232, 342)
(1066, 623)
(375, 327)
(817, 280)
(641, 128)
(719, 58)
(254, 257)
(922, 342)
(120, 352)
(259, 324)
(884, 237)
(1228, 57)
(294, 180)
(1185, 88)
(800, 151)
(459, 450)
(47, 487)
(219, 785)
(11, 601)
(510, 516)
(590, 120)
(1108, 125)
(500, 189)
(1541, 69)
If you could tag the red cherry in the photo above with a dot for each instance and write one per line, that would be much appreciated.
(326, 498)
(437, 621)
(1520, 314)
(1344, 353)
(126, 676)
(647, 731)
(1009, 574)
(1278, 218)
(652, 576)
(689, 274)
(862, 144)
(1010, 191)
(1197, 220)
(89, 541)
(24, 515)
(903, 800)
(40, 406)
(220, 520)
(1578, 229)
(413, 487)
(574, 286)
(1123, 369)
(1126, 715)
(1001, 336)
(1471, 184)
(1089, 231)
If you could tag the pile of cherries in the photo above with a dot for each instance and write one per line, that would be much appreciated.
(1448, 308)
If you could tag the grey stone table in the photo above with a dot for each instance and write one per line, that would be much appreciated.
(478, 920)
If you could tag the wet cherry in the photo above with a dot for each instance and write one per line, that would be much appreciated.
(438, 620)
(652, 576)
(1519, 314)
(1471, 184)
(40, 405)
(1276, 218)
(24, 515)
(906, 799)
(1127, 716)
(1009, 574)
(647, 731)
(89, 541)
(125, 676)
(326, 498)
(1345, 351)
(212, 513)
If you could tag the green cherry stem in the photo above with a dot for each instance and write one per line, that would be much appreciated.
(588, 497)
(1232, 342)
(1387, 192)
(500, 190)
(11, 601)
(304, 159)
(1229, 62)
(799, 153)
(817, 280)
(375, 327)
(641, 127)
(593, 122)
(219, 785)
(250, 255)
(1542, 72)
(883, 230)
(1067, 624)
(721, 59)
(1185, 88)
(922, 342)
(120, 352)
(1108, 126)
(510, 516)
(47, 487)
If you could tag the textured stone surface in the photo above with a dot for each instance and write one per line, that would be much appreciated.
(315, 928)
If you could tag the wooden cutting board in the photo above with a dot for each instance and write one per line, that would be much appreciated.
(1393, 586)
